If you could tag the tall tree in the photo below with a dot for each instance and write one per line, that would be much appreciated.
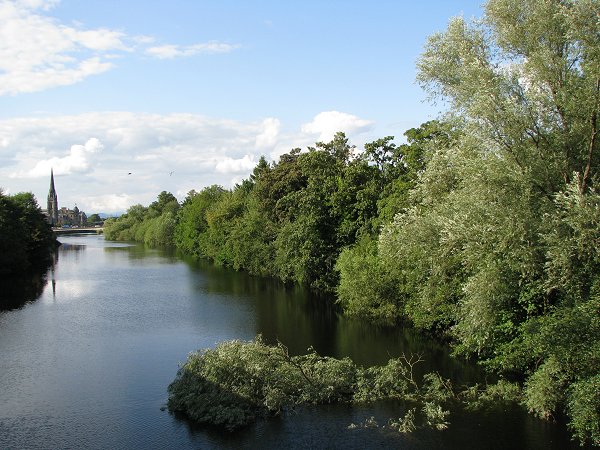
(480, 252)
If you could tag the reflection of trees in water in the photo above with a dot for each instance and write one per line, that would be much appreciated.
(136, 251)
(15, 292)
(76, 248)
(73, 250)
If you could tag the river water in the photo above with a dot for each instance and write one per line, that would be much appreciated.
(85, 362)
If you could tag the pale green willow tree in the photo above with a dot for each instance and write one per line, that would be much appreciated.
(481, 253)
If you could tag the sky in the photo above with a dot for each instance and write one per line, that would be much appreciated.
(124, 99)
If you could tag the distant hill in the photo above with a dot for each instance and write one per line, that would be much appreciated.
(106, 216)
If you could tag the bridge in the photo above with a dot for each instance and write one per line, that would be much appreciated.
(79, 230)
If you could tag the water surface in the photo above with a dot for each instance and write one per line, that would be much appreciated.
(86, 359)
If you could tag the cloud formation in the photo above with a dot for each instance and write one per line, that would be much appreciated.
(241, 165)
(267, 139)
(105, 162)
(327, 123)
(37, 52)
(170, 51)
(77, 161)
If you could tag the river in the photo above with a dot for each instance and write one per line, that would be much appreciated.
(85, 362)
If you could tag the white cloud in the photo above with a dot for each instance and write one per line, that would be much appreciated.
(37, 52)
(230, 165)
(78, 160)
(268, 138)
(327, 123)
(170, 51)
(110, 203)
(100, 39)
(44, 5)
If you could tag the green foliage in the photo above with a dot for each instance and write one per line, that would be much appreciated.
(192, 225)
(545, 389)
(573, 242)
(435, 416)
(293, 218)
(154, 225)
(404, 424)
(94, 218)
(475, 397)
(237, 381)
(584, 409)
(26, 238)
(367, 287)
(498, 243)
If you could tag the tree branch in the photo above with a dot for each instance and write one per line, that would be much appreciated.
(594, 123)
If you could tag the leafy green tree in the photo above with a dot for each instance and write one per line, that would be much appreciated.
(236, 382)
(154, 225)
(367, 288)
(191, 228)
(498, 246)
(401, 165)
(13, 245)
(253, 242)
(94, 218)
(26, 239)
(165, 202)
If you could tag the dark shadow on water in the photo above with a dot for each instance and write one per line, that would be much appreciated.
(315, 427)
(16, 292)
(327, 426)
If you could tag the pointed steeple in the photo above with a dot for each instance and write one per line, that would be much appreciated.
(52, 201)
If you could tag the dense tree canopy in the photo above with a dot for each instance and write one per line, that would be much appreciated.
(500, 247)
(26, 239)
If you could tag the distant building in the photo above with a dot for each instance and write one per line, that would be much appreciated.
(62, 216)
(71, 216)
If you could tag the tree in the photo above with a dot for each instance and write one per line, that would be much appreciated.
(154, 225)
(191, 228)
(94, 218)
(527, 81)
(165, 202)
(26, 239)
(13, 246)
(481, 251)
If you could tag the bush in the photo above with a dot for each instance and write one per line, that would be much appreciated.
(236, 382)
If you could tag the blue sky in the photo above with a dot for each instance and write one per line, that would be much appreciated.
(183, 94)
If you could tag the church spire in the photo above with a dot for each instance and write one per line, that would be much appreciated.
(52, 181)
(52, 201)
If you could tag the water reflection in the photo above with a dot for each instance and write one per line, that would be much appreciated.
(140, 253)
(299, 319)
(67, 247)
(16, 292)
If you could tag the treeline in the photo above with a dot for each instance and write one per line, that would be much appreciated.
(26, 239)
(153, 225)
(484, 228)
(291, 219)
